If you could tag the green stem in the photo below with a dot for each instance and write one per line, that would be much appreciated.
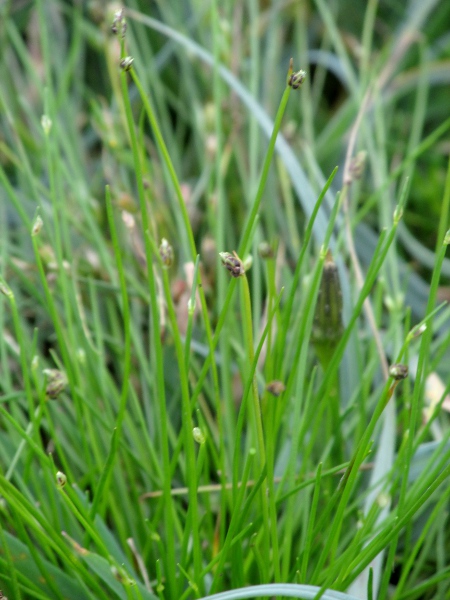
(258, 424)
(245, 240)
(158, 361)
(102, 489)
(191, 470)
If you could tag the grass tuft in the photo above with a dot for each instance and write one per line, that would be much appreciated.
(223, 310)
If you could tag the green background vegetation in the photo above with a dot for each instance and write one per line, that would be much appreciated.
(169, 430)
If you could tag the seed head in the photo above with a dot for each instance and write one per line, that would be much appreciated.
(417, 331)
(275, 388)
(398, 371)
(296, 79)
(5, 289)
(46, 124)
(357, 165)
(119, 23)
(265, 251)
(166, 253)
(328, 327)
(126, 63)
(37, 226)
(198, 435)
(56, 382)
(232, 263)
(121, 576)
(398, 214)
(61, 479)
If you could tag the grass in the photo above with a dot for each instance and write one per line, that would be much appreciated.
(174, 429)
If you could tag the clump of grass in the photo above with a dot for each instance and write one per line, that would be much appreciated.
(165, 428)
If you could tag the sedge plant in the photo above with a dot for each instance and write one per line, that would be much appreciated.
(215, 359)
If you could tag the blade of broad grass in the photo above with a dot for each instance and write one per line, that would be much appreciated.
(115, 580)
(27, 514)
(36, 558)
(10, 568)
(308, 592)
(28, 573)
